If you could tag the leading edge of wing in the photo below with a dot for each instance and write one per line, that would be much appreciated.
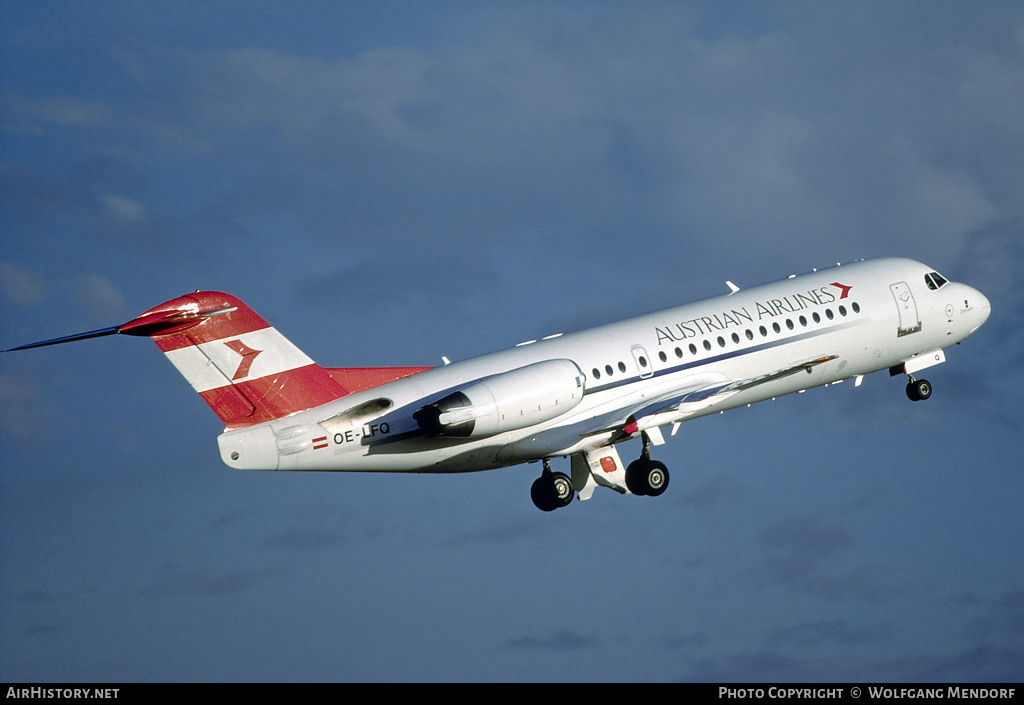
(705, 392)
(702, 391)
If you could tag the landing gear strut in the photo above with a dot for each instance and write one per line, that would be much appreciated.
(645, 476)
(552, 490)
(918, 389)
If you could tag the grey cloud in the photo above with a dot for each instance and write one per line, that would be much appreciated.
(536, 125)
(767, 666)
(803, 542)
(203, 582)
(714, 492)
(306, 539)
(984, 663)
(833, 632)
(424, 276)
(564, 640)
(803, 553)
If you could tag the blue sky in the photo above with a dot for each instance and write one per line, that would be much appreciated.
(390, 182)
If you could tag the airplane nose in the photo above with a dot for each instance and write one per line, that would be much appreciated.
(981, 303)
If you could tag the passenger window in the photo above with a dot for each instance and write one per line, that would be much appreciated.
(789, 324)
(816, 317)
(803, 321)
(828, 314)
(663, 357)
(608, 370)
(622, 367)
(842, 310)
(763, 331)
(775, 327)
(750, 335)
(597, 375)
(679, 353)
(693, 349)
(856, 307)
(707, 345)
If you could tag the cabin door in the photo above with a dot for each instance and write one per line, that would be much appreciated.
(907, 307)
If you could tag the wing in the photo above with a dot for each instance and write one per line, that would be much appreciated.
(703, 391)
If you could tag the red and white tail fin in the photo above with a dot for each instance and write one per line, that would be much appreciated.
(238, 363)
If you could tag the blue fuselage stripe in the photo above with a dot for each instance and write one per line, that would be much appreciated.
(594, 389)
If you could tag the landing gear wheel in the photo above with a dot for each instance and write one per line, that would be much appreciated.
(657, 478)
(919, 390)
(647, 477)
(562, 486)
(551, 491)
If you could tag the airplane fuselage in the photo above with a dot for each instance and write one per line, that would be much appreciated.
(626, 379)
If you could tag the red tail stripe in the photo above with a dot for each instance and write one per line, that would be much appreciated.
(210, 316)
(356, 379)
(257, 400)
(204, 316)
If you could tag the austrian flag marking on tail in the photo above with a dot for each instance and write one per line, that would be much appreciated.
(238, 363)
(245, 358)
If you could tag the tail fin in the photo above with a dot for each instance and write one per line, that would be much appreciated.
(238, 363)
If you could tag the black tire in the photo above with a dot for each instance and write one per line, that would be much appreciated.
(551, 491)
(542, 492)
(635, 477)
(647, 477)
(919, 390)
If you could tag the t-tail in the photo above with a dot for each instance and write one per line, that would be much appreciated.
(238, 363)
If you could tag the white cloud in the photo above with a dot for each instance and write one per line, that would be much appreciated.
(124, 210)
(20, 287)
(99, 298)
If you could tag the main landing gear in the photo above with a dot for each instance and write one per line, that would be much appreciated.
(645, 476)
(918, 389)
(552, 490)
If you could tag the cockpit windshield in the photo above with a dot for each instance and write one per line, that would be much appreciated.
(935, 281)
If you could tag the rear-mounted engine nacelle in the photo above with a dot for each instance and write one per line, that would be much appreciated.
(506, 402)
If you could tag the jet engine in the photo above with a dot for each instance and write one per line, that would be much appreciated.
(506, 402)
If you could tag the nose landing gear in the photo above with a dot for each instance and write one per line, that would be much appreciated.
(918, 389)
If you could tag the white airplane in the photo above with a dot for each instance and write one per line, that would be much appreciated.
(574, 395)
